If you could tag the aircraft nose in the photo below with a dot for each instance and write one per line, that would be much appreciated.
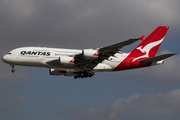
(5, 58)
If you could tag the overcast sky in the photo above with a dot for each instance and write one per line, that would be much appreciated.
(31, 93)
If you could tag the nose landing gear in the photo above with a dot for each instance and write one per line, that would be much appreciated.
(12, 70)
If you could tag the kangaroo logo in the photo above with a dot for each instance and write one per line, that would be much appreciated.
(142, 50)
(147, 48)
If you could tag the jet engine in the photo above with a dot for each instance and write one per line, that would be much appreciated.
(90, 53)
(67, 60)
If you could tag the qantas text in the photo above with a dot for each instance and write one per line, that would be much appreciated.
(35, 53)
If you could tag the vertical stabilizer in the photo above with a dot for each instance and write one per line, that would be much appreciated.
(145, 50)
(149, 47)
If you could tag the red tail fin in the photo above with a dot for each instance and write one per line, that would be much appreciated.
(149, 47)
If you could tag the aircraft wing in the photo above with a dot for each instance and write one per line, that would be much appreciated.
(120, 45)
(104, 53)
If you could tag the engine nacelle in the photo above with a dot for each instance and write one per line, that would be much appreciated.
(56, 72)
(67, 60)
(90, 53)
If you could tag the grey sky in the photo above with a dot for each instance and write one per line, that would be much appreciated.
(31, 93)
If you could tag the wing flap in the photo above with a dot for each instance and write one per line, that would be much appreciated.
(157, 58)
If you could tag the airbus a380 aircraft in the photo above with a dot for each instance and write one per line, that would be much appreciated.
(84, 63)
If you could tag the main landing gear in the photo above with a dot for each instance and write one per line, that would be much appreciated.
(83, 75)
(12, 70)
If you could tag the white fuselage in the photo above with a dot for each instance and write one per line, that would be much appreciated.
(38, 56)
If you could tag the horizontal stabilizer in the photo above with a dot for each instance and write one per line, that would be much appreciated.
(157, 58)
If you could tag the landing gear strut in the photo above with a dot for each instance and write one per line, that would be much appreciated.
(12, 70)
(84, 75)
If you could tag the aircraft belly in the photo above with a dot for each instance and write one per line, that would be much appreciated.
(115, 62)
(102, 67)
(29, 61)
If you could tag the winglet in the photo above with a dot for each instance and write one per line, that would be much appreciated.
(142, 37)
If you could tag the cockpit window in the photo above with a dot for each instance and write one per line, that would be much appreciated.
(9, 53)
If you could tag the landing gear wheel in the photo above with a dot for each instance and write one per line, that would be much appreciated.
(75, 77)
(13, 70)
(84, 74)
